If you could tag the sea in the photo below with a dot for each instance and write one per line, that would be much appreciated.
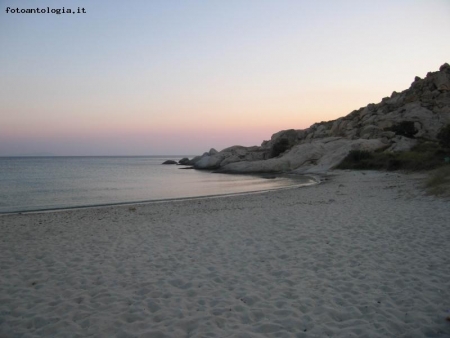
(50, 183)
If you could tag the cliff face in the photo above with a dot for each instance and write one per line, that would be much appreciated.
(394, 124)
(426, 103)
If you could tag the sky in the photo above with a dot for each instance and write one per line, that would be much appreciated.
(174, 77)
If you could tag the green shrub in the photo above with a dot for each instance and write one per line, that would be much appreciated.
(404, 128)
(359, 155)
(439, 181)
(426, 147)
(414, 161)
(280, 147)
(444, 136)
(357, 159)
(421, 157)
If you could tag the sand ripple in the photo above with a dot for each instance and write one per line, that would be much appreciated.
(361, 255)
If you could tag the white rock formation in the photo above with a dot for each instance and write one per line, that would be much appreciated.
(318, 156)
(394, 124)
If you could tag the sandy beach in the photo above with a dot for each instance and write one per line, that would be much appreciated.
(362, 254)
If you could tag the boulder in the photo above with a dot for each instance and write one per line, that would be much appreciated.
(318, 156)
(442, 79)
(371, 131)
(230, 155)
(212, 151)
(194, 160)
(281, 141)
(209, 162)
(402, 143)
(184, 161)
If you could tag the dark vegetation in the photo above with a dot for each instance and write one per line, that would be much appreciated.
(426, 155)
(280, 147)
(413, 160)
(444, 137)
(439, 181)
(404, 128)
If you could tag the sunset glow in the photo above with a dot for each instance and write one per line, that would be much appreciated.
(179, 77)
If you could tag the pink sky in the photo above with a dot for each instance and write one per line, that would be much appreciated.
(183, 77)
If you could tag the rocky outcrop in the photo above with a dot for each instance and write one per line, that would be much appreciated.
(230, 155)
(394, 124)
(281, 142)
(317, 156)
(184, 161)
(169, 162)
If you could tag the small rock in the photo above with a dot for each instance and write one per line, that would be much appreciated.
(184, 161)
(444, 66)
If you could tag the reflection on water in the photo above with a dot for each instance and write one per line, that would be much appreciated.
(58, 182)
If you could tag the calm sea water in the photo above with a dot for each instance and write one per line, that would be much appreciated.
(40, 183)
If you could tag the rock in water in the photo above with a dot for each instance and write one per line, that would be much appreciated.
(170, 162)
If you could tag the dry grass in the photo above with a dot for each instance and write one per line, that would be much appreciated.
(423, 157)
(438, 182)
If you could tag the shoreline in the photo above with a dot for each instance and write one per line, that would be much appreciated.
(314, 177)
(361, 254)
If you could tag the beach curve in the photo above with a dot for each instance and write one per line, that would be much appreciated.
(362, 254)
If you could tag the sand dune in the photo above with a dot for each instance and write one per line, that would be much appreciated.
(363, 254)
